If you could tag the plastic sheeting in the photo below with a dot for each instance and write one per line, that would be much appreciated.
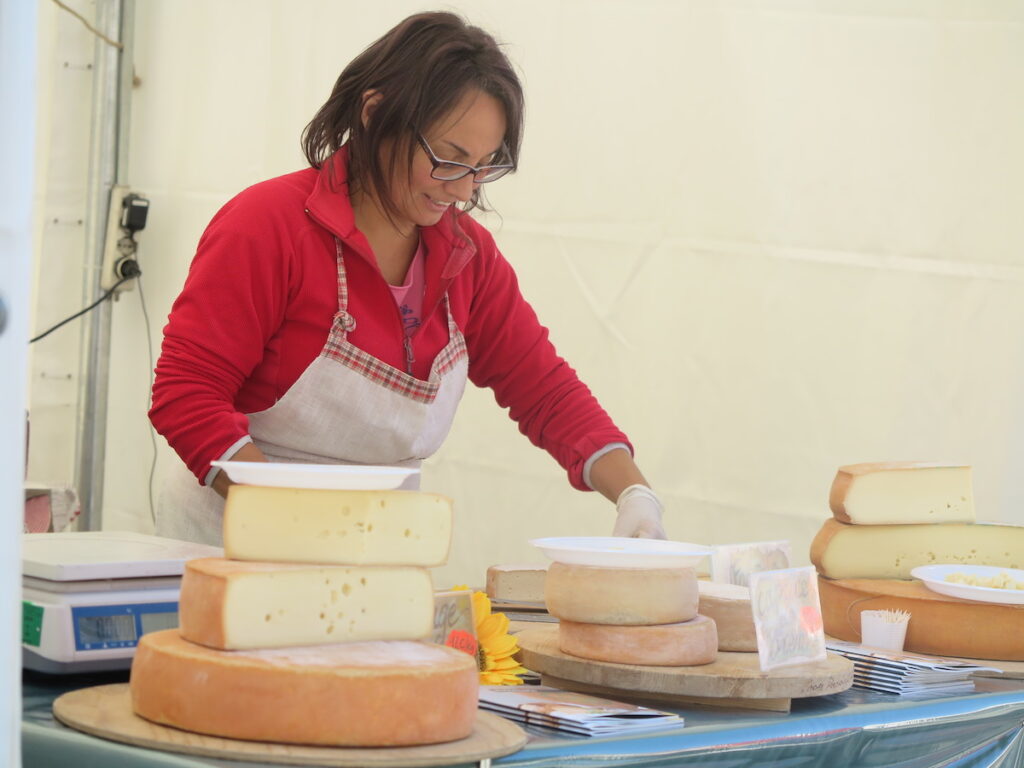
(774, 237)
(856, 728)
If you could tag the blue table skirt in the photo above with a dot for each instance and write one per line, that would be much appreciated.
(984, 729)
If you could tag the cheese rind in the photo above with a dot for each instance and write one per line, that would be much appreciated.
(902, 493)
(384, 694)
(842, 551)
(728, 605)
(303, 525)
(235, 604)
(624, 596)
(517, 583)
(939, 625)
(685, 644)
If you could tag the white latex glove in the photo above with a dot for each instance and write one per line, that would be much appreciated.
(639, 514)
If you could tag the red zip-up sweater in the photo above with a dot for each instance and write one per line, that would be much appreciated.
(261, 294)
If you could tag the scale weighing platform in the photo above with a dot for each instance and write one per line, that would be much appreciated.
(87, 597)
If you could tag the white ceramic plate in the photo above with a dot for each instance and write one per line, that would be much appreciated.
(344, 477)
(934, 577)
(622, 553)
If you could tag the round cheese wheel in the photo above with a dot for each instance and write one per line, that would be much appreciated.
(372, 694)
(728, 605)
(625, 596)
(686, 644)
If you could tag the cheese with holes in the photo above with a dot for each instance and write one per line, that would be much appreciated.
(842, 551)
(304, 525)
(376, 694)
(728, 605)
(684, 644)
(234, 604)
(939, 625)
(517, 583)
(888, 493)
(628, 596)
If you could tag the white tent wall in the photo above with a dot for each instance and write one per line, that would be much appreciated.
(773, 237)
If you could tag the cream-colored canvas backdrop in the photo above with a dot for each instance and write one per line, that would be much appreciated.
(774, 237)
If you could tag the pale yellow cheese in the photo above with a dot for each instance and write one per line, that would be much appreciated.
(894, 493)
(729, 606)
(517, 583)
(841, 551)
(623, 596)
(302, 525)
(233, 604)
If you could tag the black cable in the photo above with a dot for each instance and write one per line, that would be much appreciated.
(78, 314)
(152, 429)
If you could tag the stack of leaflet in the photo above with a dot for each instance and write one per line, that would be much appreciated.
(572, 712)
(906, 673)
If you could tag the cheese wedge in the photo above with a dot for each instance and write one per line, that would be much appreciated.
(939, 625)
(728, 605)
(686, 644)
(841, 551)
(303, 525)
(381, 694)
(517, 583)
(902, 493)
(627, 596)
(234, 604)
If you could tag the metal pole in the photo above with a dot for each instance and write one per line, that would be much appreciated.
(107, 166)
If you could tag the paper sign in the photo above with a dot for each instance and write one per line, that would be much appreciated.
(787, 617)
(733, 563)
(453, 621)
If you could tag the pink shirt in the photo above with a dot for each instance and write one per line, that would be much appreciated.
(409, 295)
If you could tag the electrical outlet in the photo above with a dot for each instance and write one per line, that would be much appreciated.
(113, 248)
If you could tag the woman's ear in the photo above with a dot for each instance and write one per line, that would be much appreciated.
(371, 99)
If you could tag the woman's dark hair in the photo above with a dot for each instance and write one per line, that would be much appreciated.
(422, 67)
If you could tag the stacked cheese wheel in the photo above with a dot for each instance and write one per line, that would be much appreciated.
(309, 632)
(643, 616)
(889, 518)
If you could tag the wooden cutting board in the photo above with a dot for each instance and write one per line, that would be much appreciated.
(106, 711)
(732, 676)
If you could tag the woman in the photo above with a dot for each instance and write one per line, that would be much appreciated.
(333, 315)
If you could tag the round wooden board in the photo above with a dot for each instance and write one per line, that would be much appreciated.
(106, 711)
(731, 675)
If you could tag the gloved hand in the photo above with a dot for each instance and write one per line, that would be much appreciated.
(639, 514)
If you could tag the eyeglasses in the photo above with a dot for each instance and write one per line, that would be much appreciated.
(448, 170)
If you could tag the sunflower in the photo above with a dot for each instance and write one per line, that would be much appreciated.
(496, 645)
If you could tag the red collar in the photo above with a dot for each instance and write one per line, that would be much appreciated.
(329, 205)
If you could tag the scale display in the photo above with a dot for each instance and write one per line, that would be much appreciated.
(119, 626)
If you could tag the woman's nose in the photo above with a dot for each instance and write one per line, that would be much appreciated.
(462, 188)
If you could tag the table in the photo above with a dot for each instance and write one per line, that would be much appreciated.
(983, 729)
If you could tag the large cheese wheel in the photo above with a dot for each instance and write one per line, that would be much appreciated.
(627, 596)
(235, 604)
(305, 525)
(940, 625)
(728, 605)
(685, 644)
(841, 551)
(902, 492)
(378, 694)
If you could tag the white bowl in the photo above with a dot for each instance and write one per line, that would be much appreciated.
(934, 577)
(618, 552)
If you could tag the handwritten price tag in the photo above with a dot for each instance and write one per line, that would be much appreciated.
(453, 621)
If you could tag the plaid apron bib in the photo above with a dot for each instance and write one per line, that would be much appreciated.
(347, 407)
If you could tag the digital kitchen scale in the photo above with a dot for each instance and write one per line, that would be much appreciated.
(87, 597)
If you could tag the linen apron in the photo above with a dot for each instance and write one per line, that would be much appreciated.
(347, 407)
